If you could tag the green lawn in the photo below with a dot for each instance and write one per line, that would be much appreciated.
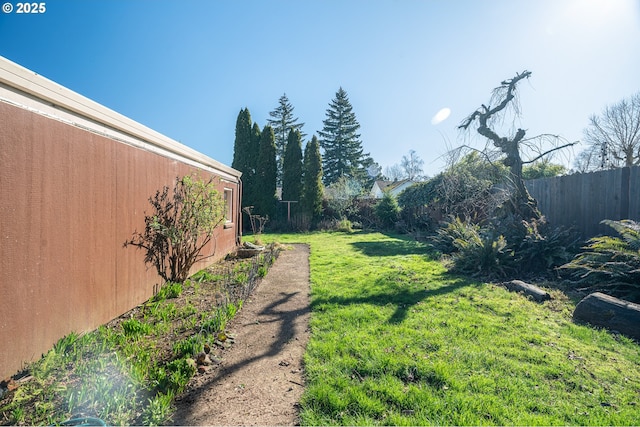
(397, 340)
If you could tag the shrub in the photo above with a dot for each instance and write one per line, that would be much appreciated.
(180, 226)
(483, 254)
(363, 212)
(610, 263)
(506, 246)
(340, 197)
(543, 247)
(415, 205)
(454, 229)
(387, 211)
(345, 226)
(469, 188)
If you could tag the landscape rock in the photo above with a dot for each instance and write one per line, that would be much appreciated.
(248, 250)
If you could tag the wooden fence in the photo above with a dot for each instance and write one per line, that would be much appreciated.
(583, 200)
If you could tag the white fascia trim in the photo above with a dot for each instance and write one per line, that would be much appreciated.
(63, 104)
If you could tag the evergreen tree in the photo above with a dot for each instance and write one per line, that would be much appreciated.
(266, 175)
(292, 167)
(249, 180)
(387, 211)
(245, 155)
(241, 143)
(342, 149)
(312, 189)
(282, 121)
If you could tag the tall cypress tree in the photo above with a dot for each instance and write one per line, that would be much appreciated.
(342, 149)
(292, 167)
(312, 192)
(266, 175)
(241, 143)
(245, 155)
(249, 181)
(282, 121)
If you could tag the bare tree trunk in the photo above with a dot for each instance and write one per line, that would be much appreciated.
(522, 202)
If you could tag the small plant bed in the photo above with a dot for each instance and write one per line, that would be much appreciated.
(129, 371)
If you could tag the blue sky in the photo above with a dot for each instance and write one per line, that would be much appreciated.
(186, 68)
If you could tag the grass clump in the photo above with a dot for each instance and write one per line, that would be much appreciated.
(134, 328)
(188, 347)
(169, 290)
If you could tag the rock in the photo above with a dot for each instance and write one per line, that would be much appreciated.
(611, 313)
(203, 359)
(9, 384)
(530, 290)
(249, 245)
(248, 250)
(247, 253)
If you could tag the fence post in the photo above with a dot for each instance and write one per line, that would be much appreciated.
(625, 193)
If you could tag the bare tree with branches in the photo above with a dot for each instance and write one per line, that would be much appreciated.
(513, 146)
(412, 166)
(615, 134)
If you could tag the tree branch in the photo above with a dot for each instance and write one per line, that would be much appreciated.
(484, 116)
(569, 144)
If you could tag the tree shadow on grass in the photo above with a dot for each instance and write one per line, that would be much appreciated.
(393, 247)
(403, 297)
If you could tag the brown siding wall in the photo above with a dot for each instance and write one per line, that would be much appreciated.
(69, 199)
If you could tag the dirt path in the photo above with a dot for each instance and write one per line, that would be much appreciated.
(260, 379)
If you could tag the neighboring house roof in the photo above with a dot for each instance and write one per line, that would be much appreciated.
(394, 187)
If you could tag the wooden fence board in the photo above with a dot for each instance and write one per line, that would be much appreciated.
(583, 200)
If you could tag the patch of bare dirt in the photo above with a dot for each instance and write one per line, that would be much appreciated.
(259, 380)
